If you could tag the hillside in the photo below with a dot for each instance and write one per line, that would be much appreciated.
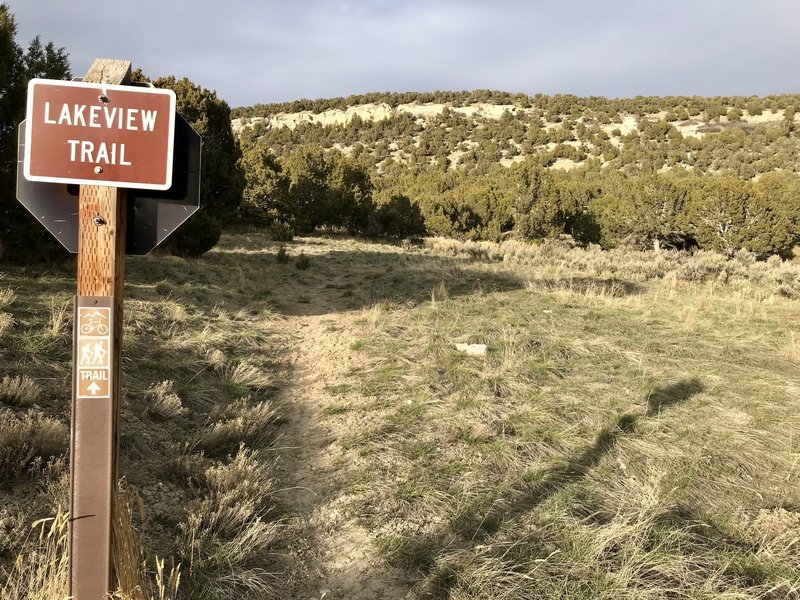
(670, 172)
(744, 136)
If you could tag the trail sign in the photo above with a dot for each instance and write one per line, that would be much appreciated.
(95, 133)
(152, 215)
(93, 157)
(92, 350)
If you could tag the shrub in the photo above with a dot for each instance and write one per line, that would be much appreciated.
(28, 439)
(727, 215)
(195, 240)
(280, 231)
(784, 190)
(325, 189)
(302, 262)
(642, 213)
(19, 391)
(222, 177)
(400, 218)
(540, 210)
(265, 196)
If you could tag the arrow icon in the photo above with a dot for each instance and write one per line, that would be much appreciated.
(93, 388)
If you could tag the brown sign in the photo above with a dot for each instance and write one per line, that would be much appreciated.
(99, 134)
(93, 352)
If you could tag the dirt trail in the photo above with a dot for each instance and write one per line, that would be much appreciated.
(332, 556)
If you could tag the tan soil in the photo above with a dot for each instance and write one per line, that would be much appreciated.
(331, 555)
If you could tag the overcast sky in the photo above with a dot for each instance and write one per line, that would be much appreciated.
(260, 51)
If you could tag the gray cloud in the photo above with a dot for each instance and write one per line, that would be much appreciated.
(251, 51)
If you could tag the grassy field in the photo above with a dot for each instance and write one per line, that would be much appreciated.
(299, 423)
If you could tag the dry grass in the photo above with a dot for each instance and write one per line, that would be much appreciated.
(28, 441)
(789, 347)
(631, 432)
(248, 375)
(626, 408)
(194, 350)
(242, 422)
(19, 391)
(162, 402)
(227, 533)
(742, 273)
(60, 317)
(135, 581)
(6, 322)
(7, 297)
(41, 573)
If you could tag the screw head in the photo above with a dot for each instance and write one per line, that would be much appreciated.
(98, 169)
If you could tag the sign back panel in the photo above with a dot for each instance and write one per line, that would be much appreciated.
(152, 214)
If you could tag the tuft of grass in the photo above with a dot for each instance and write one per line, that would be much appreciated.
(246, 374)
(216, 359)
(790, 348)
(6, 322)
(282, 256)
(409, 552)
(7, 296)
(242, 423)
(41, 572)
(19, 391)
(60, 317)
(134, 579)
(27, 440)
(162, 402)
(13, 529)
(226, 538)
(439, 293)
(302, 262)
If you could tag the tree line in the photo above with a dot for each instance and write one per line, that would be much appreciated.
(605, 109)
(20, 235)
(309, 187)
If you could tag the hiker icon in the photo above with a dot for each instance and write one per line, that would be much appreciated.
(93, 354)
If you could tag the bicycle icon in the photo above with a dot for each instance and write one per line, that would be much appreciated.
(94, 325)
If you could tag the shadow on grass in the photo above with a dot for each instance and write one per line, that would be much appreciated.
(577, 467)
(493, 514)
(337, 280)
(589, 286)
(244, 273)
(666, 397)
(605, 441)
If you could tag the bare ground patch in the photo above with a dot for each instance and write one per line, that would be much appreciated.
(330, 553)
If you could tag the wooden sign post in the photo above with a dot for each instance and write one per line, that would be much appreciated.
(107, 137)
(95, 419)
